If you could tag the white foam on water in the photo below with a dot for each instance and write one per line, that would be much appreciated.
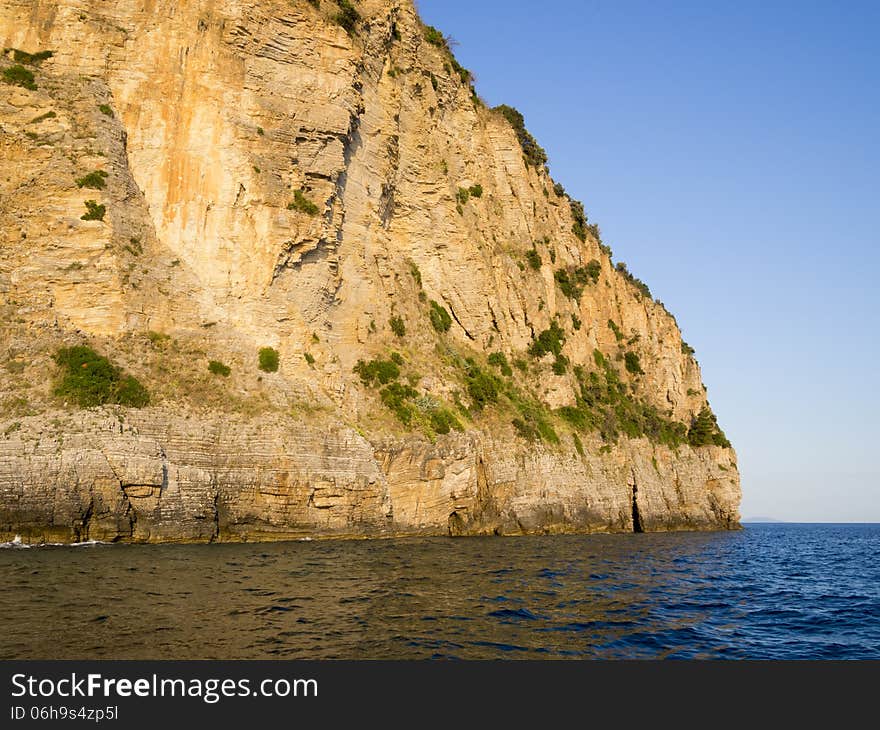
(17, 544)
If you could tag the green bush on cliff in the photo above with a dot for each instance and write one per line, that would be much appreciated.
(550, 340)
(94, 211)
(572, 280)
(579, 217)
(533, 258)
(19, 76)
(302, 204)
(395, 397)
(499, 360)
(32, 59)
(90, 379)
(348, 16)
(443, 421)
(608, 405)
(377, 371)
(94, 180)
(268, 360)
(440, 319)
(633, 365)
(640, 285)
(704, 430)
(398, 326)
(482, 387)
(218, 368)
(533, 153)
(435, 37)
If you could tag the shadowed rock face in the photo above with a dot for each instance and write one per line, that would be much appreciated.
(208, 118)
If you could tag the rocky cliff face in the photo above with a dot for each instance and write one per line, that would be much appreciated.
(457, 352)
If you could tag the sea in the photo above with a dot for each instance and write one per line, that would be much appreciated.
(769, 591)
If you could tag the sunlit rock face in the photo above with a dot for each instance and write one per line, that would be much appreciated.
(270, 179)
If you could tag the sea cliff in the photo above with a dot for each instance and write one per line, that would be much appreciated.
(271, 269)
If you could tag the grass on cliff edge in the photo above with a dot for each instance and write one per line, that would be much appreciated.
(90, 379)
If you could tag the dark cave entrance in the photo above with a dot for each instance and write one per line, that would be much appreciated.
(637, 522)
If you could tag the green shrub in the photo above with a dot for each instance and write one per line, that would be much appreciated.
(377, 371)
(443, 421)
(573, 280)
(686, 349)
(576, 322)
(579, 217)
(32, 59)
(533, 153)
(634, 280)
(526, 430)
(348, 16)
(93, 180)
(309, 358)
(558, 189)
(398, 327)
(463, 74)
(704, 430)
(482, 387)
(94, 211)
(632, 363)
(547, 432)
(609, 406)
(268, 360)
(550, 340)
(397, 358)
(218, 368)
(435, 37)
(560, 365)
(520, 364)
(476, 191)
(90, 379)
(533, 258)
(302, 204)
(578, 446)
(462, 196)
(499, 360)
(440, 319)
(416, 274)
(47, 115)
(578, 418)
(158, 339)
(395, 397)
(105, 110)
(19, 76)
(612, 325)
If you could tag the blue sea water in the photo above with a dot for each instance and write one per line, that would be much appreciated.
(770, 591)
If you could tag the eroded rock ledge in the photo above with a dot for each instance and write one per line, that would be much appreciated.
(153, 476)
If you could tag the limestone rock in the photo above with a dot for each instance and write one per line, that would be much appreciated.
(211, 123)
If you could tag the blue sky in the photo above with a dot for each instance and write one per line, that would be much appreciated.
(730, 154)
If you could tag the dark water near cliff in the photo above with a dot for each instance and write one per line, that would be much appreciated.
(770, 591)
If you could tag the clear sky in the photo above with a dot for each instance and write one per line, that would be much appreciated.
(730, 152)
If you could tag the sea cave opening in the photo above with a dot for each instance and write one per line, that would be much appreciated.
(637, 522)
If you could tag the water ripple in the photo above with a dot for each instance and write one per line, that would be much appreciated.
(768, 592)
